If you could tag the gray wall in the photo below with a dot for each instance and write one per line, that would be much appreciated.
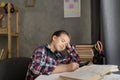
(39, 22)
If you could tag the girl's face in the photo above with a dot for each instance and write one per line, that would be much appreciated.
(61, 42)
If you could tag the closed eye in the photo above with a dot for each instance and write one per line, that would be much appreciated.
(63, 40)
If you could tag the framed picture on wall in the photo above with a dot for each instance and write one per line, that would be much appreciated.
(30, 3)
(72, 8)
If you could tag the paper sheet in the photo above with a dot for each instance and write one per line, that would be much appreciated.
(112, 77)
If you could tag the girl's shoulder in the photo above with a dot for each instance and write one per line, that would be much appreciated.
(40, 48)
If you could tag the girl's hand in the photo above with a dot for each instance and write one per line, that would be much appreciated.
(73, 66)
(68, 45)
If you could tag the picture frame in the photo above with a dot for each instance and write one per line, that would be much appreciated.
(30, 3)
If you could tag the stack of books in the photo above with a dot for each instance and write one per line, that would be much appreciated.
(85, 52)
(3, 54)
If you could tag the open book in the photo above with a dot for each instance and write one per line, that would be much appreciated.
(90, 72)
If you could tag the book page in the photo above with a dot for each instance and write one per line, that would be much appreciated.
(91, 72)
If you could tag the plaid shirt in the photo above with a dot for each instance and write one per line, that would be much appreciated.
(44, 61)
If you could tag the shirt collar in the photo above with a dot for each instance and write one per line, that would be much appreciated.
(48, 47)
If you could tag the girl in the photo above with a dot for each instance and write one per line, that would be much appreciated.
(48, 59)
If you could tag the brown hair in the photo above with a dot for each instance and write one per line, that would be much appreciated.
(59, 32)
